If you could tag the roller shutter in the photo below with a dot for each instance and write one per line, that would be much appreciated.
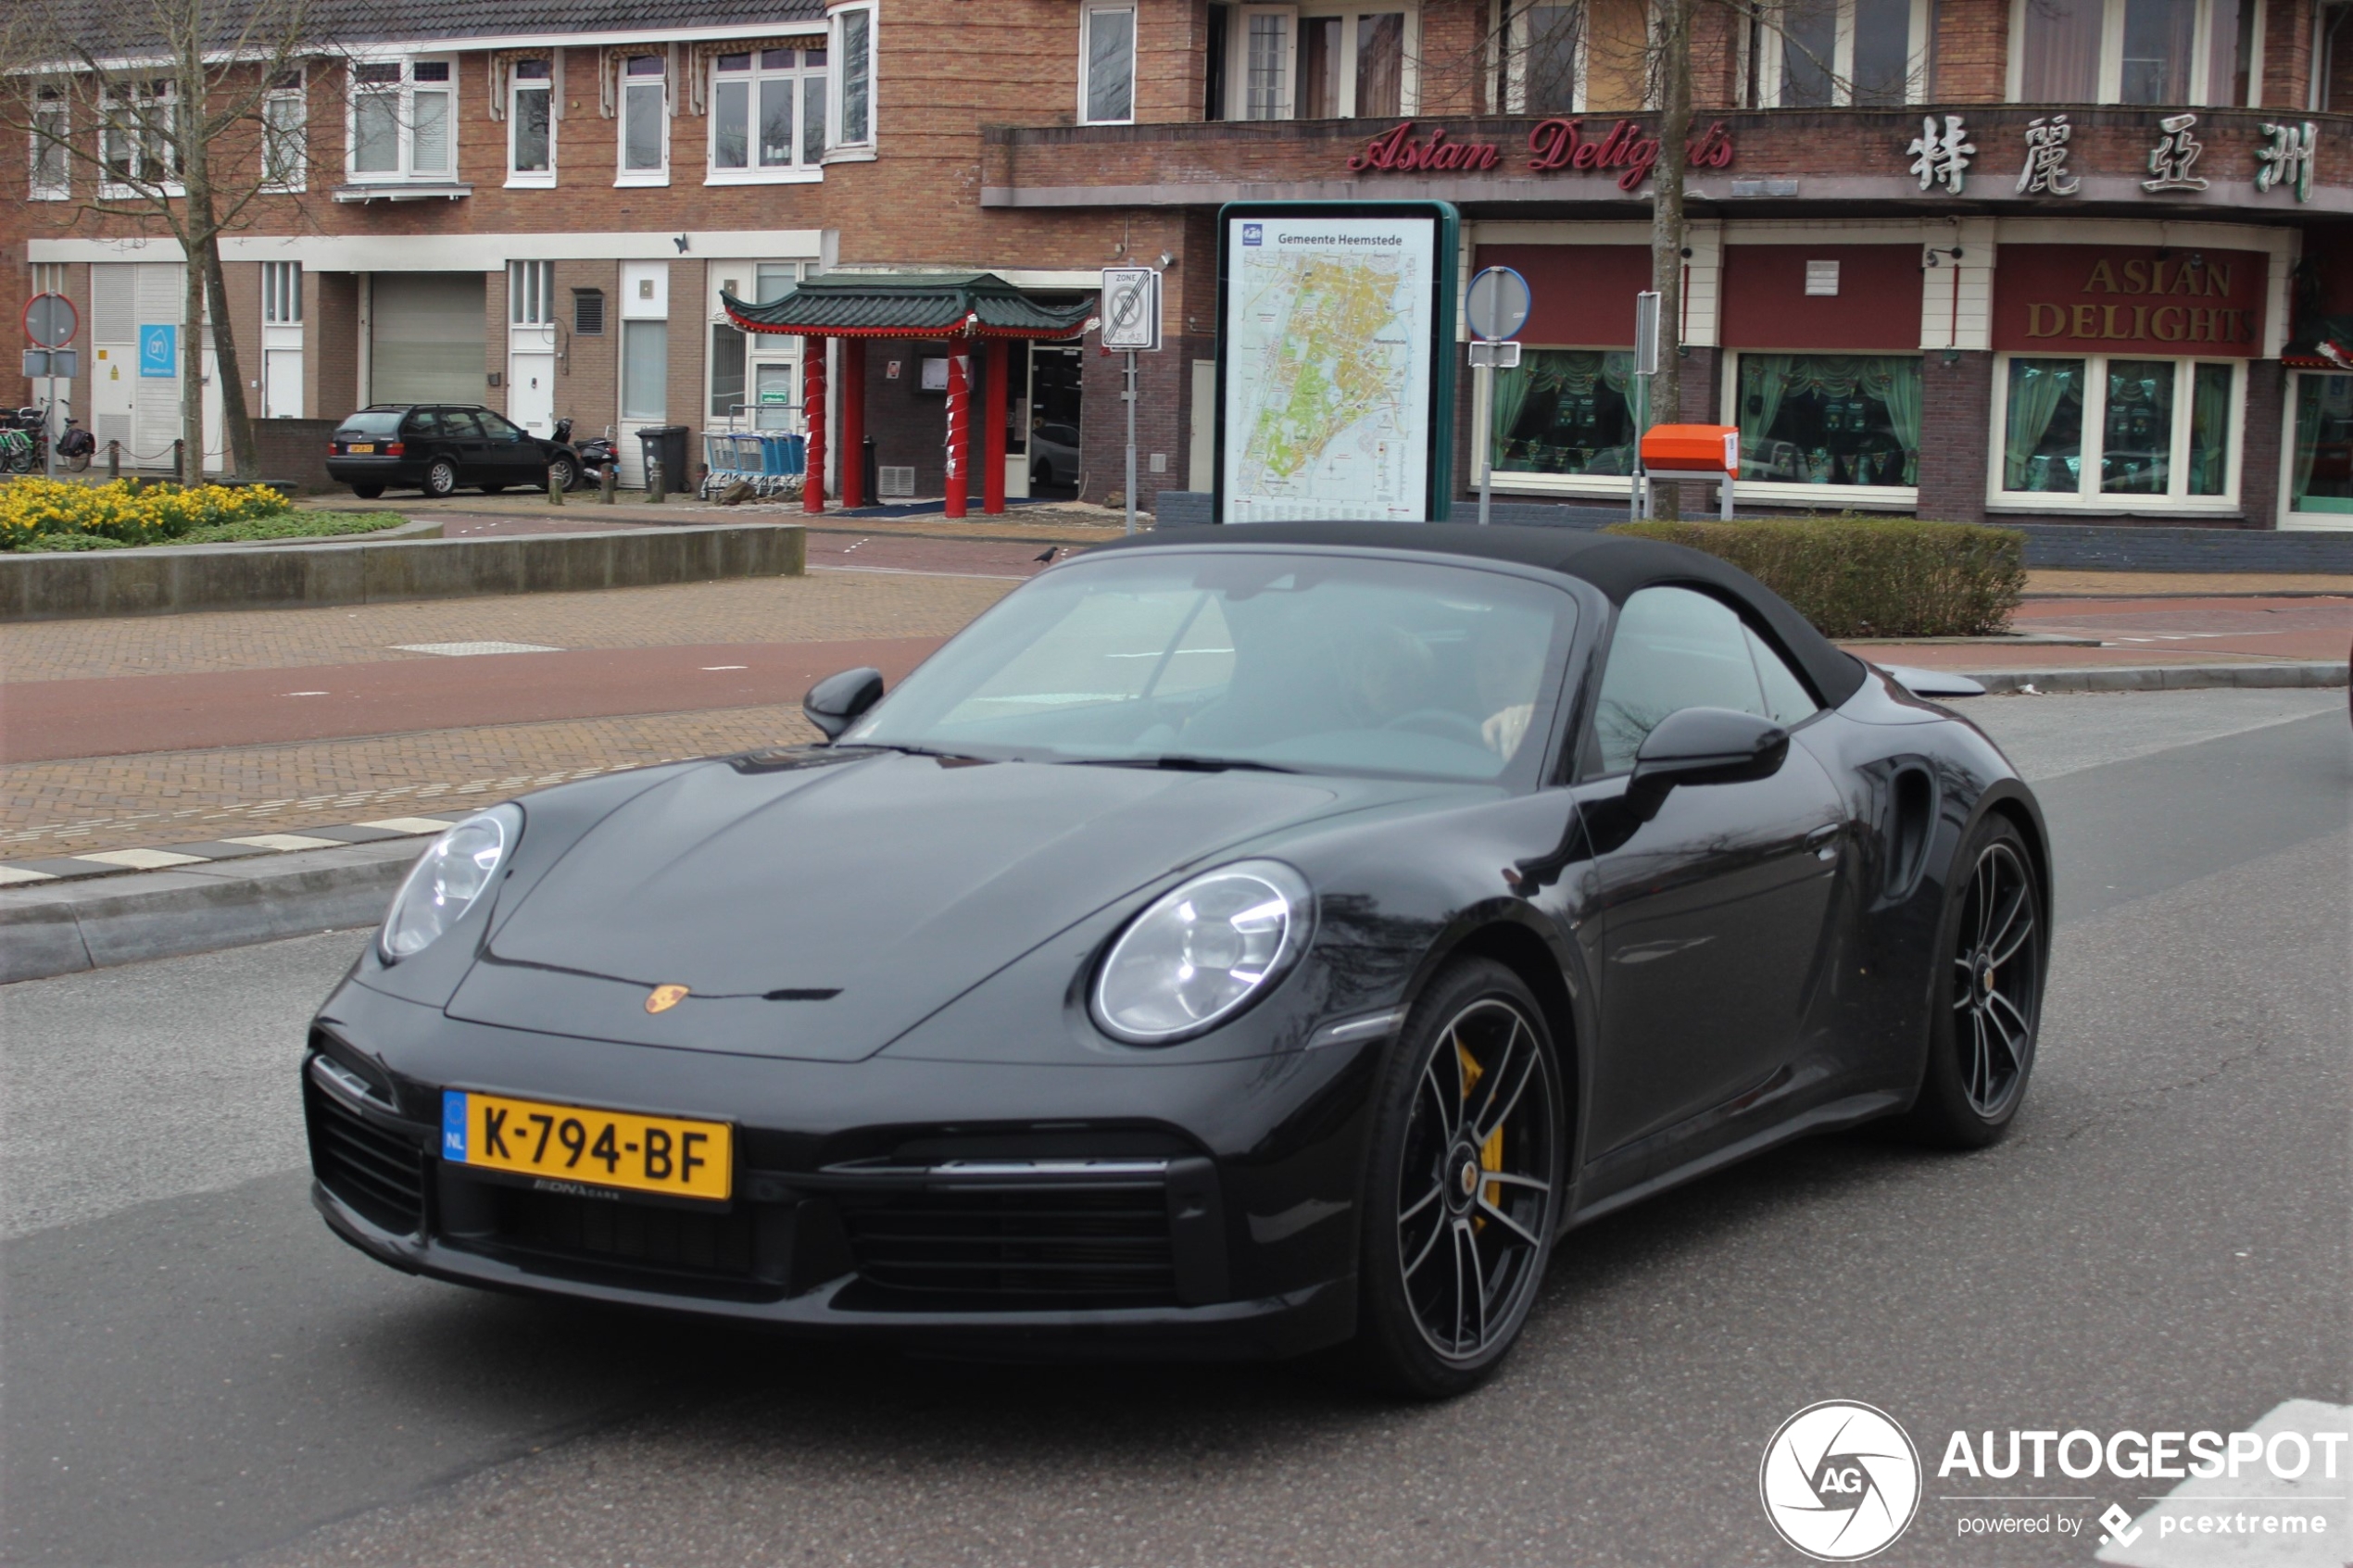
(426, 338)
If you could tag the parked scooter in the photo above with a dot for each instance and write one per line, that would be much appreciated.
(595, 453)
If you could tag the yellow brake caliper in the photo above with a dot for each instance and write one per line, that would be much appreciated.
(1490, 1153)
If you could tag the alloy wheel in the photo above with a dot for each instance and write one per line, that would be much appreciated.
(1476, 1196)
(1997, 988)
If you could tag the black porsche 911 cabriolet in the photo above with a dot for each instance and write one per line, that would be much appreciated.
(1236, 942)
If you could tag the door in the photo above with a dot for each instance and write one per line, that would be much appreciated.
(530, 389)
(1055, 407)
(1017, 422)
(1714, 910)
(281, 383)
(509, 457)
(644, 362)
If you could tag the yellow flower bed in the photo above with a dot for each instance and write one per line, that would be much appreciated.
(133, 513)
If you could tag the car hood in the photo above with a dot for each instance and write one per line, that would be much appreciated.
(820, 911)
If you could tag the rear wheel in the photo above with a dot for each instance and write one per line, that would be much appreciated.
(1463, 1186)
(368, 490)
(1986, 1005)
(441, 478)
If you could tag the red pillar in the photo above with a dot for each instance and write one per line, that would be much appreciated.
(812, 420)
(992, 432)
(853, 423)
(960, 444)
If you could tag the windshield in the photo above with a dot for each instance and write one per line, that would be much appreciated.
(1311, 663)
(373, 421)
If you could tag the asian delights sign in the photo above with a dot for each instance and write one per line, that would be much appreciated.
(2112, 299)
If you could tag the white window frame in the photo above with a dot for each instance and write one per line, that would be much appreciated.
(623, 85)
(139, 184)
(405, 171)
(2087, 495)
(2111, 77)
(517, 85)
(296, 95)
(1779, 492)
(531, 293)
(1771, 46)
(2288, 516)
(803, 170)
(1087, 15)
(281, 293)
(840, 147)
(51, 104)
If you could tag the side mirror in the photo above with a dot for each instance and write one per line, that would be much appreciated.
(834, 703)
(1703, 745)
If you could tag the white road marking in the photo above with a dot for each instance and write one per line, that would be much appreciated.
(143, 859)
(468, 650)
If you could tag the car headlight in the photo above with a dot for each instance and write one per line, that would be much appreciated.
(1201, 951)
(445, 883)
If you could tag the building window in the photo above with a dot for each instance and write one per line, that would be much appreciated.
(767, 113)
(1828, 418)
(281, 293)
(1565, 411)
(531, 293)
(402, 112)
(645, 369)
(2133, 51)
(531, 123)
(1107, 65)
(139, 140)
(852, 94)
(1837, 53)
(587, 312)
(1315, 61)
(1266, 68)
(285, 120)
(51, 147)
(2321, 463)
(644, 120)
(2108, 431)
(1575, 59)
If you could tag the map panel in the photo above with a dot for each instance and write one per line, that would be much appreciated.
(1327, 377)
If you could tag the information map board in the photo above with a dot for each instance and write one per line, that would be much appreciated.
(1335, 362)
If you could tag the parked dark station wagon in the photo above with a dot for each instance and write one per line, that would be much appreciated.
(438, 447)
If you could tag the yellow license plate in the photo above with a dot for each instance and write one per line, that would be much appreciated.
(361, 446)
(606, 1148)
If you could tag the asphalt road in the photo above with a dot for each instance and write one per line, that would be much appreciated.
(193, 1371)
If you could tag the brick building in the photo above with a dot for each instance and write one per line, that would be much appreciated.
(2076, 259)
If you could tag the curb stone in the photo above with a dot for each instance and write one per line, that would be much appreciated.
(2160, 677)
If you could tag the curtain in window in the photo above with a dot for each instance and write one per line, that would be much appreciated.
(2038, 389)
(2210, 430)
(2308, 437)
(1897, 384)
(2062, 51)
(1510, 392)
(1317, 96)
(1764, 383)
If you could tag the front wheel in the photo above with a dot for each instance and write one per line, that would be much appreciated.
(564, 473)
(1986, 1004)
(1463, 1186)
(441, 479)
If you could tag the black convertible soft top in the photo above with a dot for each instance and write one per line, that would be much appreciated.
(1617, 565)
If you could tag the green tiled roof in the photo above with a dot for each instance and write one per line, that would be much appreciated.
(923, 305)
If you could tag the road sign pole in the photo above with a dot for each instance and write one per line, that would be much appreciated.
(1486, 442)
(1130, 395)
(1495, 306)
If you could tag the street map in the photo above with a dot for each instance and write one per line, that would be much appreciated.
(1327, 394)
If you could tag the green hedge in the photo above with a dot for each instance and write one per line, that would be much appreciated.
(1872, 576)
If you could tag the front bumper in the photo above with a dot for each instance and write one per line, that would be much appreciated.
(1207, 1211)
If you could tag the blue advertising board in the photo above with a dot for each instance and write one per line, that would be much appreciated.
(160, 351)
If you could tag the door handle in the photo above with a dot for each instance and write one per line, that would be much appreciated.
(1823, 841)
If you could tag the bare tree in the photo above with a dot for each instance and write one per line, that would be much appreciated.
(159, 115)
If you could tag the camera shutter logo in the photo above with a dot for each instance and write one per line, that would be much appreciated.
(1839, 1481)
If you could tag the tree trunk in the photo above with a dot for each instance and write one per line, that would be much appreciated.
(236, 418)
(1666, 223)
(192, 377)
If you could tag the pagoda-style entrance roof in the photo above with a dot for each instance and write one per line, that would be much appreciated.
(875, 304)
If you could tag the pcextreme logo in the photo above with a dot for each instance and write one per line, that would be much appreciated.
(1839, 1481)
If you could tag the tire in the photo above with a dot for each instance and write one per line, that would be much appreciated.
(1437, 1192)
(441, 479)
(1985, 1001)
(565, 472)
(368, 490)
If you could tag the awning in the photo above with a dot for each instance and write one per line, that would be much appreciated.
(2322, 342)
(918, 306)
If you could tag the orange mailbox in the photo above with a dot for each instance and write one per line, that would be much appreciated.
(1712, 450)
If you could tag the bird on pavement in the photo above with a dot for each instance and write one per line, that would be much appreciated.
(1052, 551)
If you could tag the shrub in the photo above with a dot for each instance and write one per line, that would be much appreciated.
(1872, 576)
(125, 511)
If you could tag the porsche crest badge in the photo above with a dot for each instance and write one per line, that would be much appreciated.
(662, 999)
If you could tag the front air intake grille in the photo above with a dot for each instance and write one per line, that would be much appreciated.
(372, 1167)
(1050, 1246)
(619, 1234)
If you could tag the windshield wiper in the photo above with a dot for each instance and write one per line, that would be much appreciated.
(1177, 762)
